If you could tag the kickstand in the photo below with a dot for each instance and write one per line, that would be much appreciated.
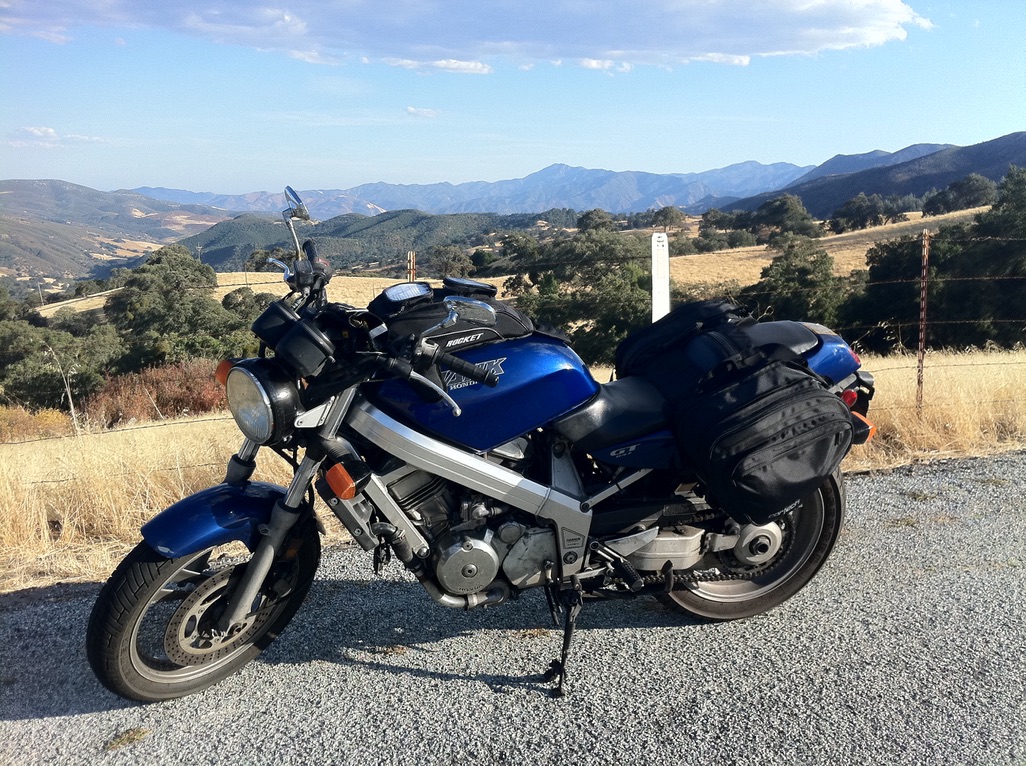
(572, 601)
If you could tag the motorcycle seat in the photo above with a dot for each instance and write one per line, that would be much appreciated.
(622, 410)
(793, 335)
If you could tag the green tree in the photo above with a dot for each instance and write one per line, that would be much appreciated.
(798, 284)
(668, 217)
(596, 220)
(594, 285)
(974, 190)
(258, 259)
(449, 261)
(8, 306)
(165, 313)
(976, 282)
(483, 258)
(860, 212)
(784, 215)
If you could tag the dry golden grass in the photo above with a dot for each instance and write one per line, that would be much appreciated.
(972, 405)
(745, 264)
(356, 291)
(71, 508)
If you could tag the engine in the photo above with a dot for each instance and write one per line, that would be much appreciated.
(474, 539)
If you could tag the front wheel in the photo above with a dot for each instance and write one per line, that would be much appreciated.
(151, 633)
(801, 540)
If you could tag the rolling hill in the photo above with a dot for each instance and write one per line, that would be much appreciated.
(823, 195)
(63, 229)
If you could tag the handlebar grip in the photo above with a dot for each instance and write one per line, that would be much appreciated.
(468, 369)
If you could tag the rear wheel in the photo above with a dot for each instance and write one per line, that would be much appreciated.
(152, 635)
(779, 559)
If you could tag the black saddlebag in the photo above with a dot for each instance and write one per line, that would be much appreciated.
(758, 427)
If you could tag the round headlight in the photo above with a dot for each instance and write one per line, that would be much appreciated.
(263, 400)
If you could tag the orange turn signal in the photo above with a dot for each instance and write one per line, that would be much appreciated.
(341, 483)
(223, 368)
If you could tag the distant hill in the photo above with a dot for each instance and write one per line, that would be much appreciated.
(841, 164)
(582, 189)
(322, 204)
(822, 196)
(357, 240)
(557, 186)
(59, 228)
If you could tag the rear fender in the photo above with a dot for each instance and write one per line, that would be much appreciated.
(214, 516)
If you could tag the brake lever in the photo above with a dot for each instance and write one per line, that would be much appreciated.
(442, 393)
(283, 266)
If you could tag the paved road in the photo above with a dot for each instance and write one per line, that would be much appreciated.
(907, 649)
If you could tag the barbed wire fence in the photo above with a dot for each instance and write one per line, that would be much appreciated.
(901, 329)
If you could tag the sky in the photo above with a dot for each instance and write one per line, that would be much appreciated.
(233, 96)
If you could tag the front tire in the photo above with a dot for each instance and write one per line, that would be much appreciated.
(810, 530)
(147, 638)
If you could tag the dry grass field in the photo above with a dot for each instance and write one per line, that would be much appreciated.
(356, 291)
(71, 507)
(745, 264)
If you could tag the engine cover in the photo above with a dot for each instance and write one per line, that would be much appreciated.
(468, 564)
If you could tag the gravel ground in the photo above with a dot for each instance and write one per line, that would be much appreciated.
(906, 649)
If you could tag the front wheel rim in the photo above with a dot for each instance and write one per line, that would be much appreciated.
(147, 652)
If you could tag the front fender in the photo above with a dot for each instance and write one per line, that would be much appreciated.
(214, 516)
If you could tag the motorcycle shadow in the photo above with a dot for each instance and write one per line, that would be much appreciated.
(392, 626)
(43, 666)
(387, 625)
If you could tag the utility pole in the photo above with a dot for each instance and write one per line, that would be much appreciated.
(411, 266)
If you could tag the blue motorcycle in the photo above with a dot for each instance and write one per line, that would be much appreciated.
(447, 430)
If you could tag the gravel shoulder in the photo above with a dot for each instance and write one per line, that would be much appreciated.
(908, 648)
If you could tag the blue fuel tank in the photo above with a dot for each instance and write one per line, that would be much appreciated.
(540, 379)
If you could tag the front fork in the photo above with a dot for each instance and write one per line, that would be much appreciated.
(284, 515)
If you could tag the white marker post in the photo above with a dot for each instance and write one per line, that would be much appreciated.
(660, 276)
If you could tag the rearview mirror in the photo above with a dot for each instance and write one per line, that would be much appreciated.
(470, 310)
(296, 208)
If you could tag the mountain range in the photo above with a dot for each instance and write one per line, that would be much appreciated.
(52, 227)
(557, 186)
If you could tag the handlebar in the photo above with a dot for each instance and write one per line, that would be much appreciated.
(434, 356)
(467, 369)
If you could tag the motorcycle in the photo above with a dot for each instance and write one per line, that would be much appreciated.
(446, 430)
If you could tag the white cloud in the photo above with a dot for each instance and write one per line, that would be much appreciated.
(723, 58)
(445, 65)
(47, 138)
(469, 36)
(418, 112)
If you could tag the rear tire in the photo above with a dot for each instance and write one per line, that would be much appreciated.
(811, 531)
(145, 640)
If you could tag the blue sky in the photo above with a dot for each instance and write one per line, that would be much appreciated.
(232, 96)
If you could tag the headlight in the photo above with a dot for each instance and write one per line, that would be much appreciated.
(263, 400)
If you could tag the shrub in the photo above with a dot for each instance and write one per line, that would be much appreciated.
(18, 424)
(171, 391)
